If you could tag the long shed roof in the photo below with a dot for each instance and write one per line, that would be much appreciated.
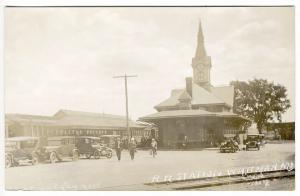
(75, 119)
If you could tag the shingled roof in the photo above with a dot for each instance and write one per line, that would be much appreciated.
(173, 100)
(226, 93)
(78, 118)
(201, 96)
(29, 118)
(75, 119)
(188, 113)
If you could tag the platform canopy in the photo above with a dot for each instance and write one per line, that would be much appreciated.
(188, 113)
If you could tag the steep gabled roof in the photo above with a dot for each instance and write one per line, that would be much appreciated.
(225, 93)
(216, 95)
(185, 96)
(204, 97)
(172, 100)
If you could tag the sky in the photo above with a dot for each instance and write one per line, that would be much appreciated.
(65, 58)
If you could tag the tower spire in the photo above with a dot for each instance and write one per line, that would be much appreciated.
(201, 63)
(200, 51)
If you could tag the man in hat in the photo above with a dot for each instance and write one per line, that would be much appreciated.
(153, 147)
(118, 147)
(132, 147)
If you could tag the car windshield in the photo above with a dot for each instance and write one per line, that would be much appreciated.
(10, 146)
(28, 144)
(94, 142)
(54, 142)
(252, 137)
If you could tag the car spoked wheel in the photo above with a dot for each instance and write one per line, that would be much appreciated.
(53, 157)
(75, 155)
(97, 154)
(8, 161)
(109, 155)
(35, 160)
(88, 155)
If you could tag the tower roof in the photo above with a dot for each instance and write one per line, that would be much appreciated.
(200, 51)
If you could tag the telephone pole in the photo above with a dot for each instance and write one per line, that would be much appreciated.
(126, 95)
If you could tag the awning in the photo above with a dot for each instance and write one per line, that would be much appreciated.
(189, 113)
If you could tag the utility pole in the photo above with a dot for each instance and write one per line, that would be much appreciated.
(126, 95)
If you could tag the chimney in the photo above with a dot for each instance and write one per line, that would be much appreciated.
(189, 85)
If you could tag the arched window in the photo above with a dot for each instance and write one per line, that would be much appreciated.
(201, 75)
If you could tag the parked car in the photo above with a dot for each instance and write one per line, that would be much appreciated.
(105, 151)
(253, 141)
(109, 140)
(20, 150)
(90, 147)
(262, 140)
(59, 148)
(229, 145)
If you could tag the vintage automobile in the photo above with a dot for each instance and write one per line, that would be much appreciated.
(253, 141)
(229, 145)
(109, 140)
(89, 146)
(20, 150)
(59, 148)
(262, 140)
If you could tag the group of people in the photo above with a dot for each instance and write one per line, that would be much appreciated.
(132, 145)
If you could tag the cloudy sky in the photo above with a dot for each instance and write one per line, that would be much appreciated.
(65, 58)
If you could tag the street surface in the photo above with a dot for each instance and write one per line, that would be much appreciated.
(284, 184)
(110, 174)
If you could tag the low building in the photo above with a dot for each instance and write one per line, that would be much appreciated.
(67, 122)
(199, 114)
(280, 130)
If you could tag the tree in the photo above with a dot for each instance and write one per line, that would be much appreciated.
(260, 101)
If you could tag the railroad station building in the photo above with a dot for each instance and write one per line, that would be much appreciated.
(68, 122)
(199, 113)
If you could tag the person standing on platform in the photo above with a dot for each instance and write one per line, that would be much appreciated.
(118, 147)
(153, 147)
(132, 148)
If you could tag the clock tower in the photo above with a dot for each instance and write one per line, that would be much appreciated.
(201, 63)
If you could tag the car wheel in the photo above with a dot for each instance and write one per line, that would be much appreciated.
(97, 154)
(109, 155)
(88, 155)
(8, 161)
(35, 160)
(53, 157)
(75, 155)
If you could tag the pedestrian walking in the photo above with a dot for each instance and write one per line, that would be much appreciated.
(185, 142)
(118, 147)
(153, 147)
(132, 148)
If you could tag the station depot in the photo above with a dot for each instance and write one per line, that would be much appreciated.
(75, 123)
(200, 113)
